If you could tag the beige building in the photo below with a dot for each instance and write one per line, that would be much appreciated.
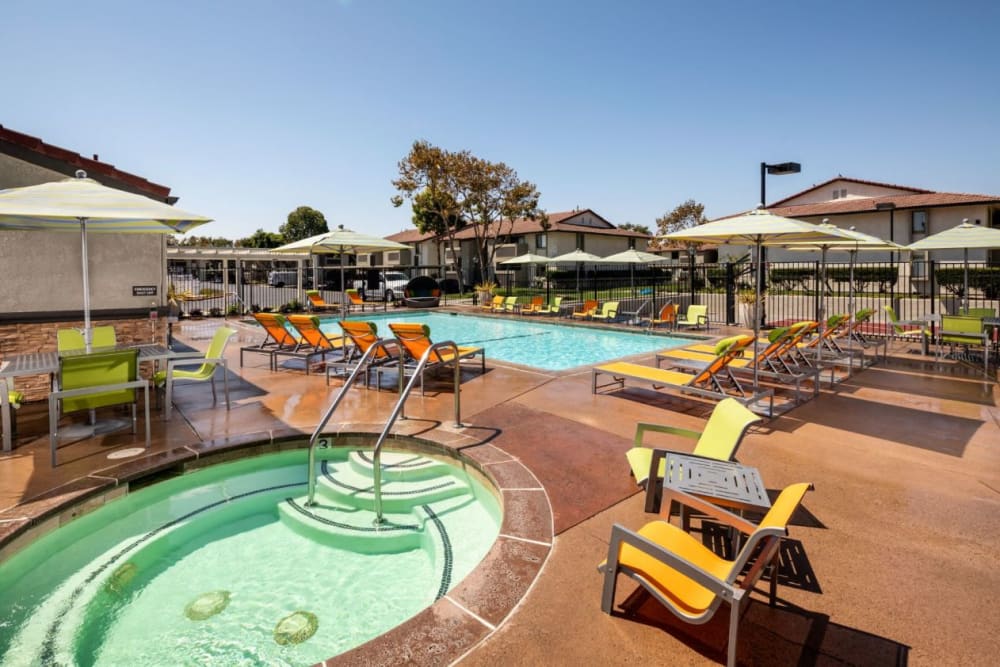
(568, 231)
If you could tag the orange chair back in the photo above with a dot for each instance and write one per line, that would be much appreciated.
(414, 337)
(308, 326)
(736, 349)
(274, 325)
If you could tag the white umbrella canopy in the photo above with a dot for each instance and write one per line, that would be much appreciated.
(528, 258)
(633, 257)
(577, 257)
(83, 205)
(963, 236)
(757, 228)
(340, 242)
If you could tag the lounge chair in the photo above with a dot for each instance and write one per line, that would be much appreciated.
(552, 308)
(534, 307)
(687, 577)
(608, 312)
(214, 357)
(585, 311)
(277, 338)
(311, 339)
(318, 303)
(710, 381)
(506, 305)
(96, 380)
(667, 316)
(722, 436)
(415, 340)
(696, 316)
(354, 300)
(364, 335)
(493, 305)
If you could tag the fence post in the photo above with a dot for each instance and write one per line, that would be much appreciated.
(820, 287)
(691, 273)
(730, 294)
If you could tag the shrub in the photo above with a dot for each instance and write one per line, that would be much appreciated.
(233, 311)
(215, 311)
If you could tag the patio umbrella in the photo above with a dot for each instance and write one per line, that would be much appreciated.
(529, 258)
(85, 206)
(340, 242)
(856, 241)
(964, 236)
(578, 257)
(633, 257)
(757, 228)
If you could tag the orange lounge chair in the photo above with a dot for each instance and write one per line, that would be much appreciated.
(317, 303)
(494, 305)
(277, 337)
(312, 340)
(415, 339)
(364, 335)
(534, 307)
(587, 310)
(667, 315)
(354, 300)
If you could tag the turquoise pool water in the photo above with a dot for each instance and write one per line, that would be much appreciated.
(223, 565)
(529, 341)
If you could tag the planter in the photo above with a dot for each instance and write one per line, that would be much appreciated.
(484, 297)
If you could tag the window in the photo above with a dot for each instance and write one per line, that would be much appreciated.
(919, 223)
(579, 240)
(843, 193)
(836, 194)
(541, 241)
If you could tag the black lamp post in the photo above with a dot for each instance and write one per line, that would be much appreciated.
(779, 169)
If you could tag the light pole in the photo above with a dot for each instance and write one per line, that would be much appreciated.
(778, 169)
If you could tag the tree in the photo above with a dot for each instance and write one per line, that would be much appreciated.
(302, 223)
(262, 239)
(642, 229)
(200, 241)
(687, 215)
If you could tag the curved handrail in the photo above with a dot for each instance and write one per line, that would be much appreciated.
(365, 359)
(398, 409)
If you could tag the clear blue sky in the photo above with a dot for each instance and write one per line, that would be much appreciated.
(249, 109)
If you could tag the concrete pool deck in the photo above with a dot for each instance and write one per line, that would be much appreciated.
(893, 560)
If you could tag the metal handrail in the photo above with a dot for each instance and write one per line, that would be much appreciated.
(398, 409)
(362, 364)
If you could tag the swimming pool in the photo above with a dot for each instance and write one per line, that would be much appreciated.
(226, 565)
(531, 342)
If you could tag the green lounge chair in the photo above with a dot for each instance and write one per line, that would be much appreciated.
(608, 312)
(696, 316)
(206, 371)
(551, 309)
(96, 380)
(722, 436)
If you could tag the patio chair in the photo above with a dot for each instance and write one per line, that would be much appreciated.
(636, 316)
(68, 340)
(713, 380)
(967, 332)
(667, 316)
(312, 340)
(534, 307)
(552, 308)
(318, 303)
(696, 316)
(277, 338)
(96, 380)
(354, 300)
(14, 400)
(722, 436)
(585, 311)
(415, 340)
(687, 577)
(206, 370)
(493, 305)
(363, 335)
(608, 312)
(901, 332)
(510, 305)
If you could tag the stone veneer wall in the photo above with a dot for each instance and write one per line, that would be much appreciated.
(39, 337)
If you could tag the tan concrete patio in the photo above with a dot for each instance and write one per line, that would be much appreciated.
(893, 560)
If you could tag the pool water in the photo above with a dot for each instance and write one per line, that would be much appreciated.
(528, 341)
(209, 567)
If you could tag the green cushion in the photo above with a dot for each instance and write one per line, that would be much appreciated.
(726, 343)
(15, 398)
(777, 333)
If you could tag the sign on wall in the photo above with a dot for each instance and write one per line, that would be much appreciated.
(143, 290)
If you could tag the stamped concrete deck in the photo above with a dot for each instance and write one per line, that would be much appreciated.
(893, 560)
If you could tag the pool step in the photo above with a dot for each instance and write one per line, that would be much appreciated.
(398, 465)
(352, 529)
(346, 486)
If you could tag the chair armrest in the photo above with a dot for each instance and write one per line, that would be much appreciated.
(174, 362)
(705, 507)
(642, 427)
(60, 394)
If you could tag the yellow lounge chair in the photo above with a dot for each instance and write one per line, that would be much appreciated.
(510, 305)
(722, 436)
(494, 305)
(318, 303)
(588, 309)
(608, 312)
(696, 316)
(415, 340)
(708, 381)
(687, 577)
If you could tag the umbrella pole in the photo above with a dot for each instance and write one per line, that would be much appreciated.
(86, 285)
(756, 314)
(850, 308)
(822, 303)
(965, 284)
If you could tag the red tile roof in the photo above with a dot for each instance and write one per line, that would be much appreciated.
(849, 180)
(36, 151)
(869, 204)
(559, 222)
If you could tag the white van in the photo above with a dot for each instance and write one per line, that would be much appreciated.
(283, 277)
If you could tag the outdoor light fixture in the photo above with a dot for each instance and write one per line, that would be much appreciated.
(779, 169)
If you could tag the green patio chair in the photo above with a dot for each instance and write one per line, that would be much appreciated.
(206, 371)
(696, 316)
(96, 380)
(68, 340)
(552, 308)
(608, 312)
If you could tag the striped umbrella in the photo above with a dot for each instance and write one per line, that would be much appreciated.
(83, 205)
(963, 236)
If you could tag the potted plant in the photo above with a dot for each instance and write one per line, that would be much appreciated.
(747, 300)
(484, 291)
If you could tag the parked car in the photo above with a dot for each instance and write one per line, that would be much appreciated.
(387, 286)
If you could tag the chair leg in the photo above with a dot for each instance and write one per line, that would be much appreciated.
(734, 624)
(214, 397)
(225, 382)
(53, 428)
(135, 423)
